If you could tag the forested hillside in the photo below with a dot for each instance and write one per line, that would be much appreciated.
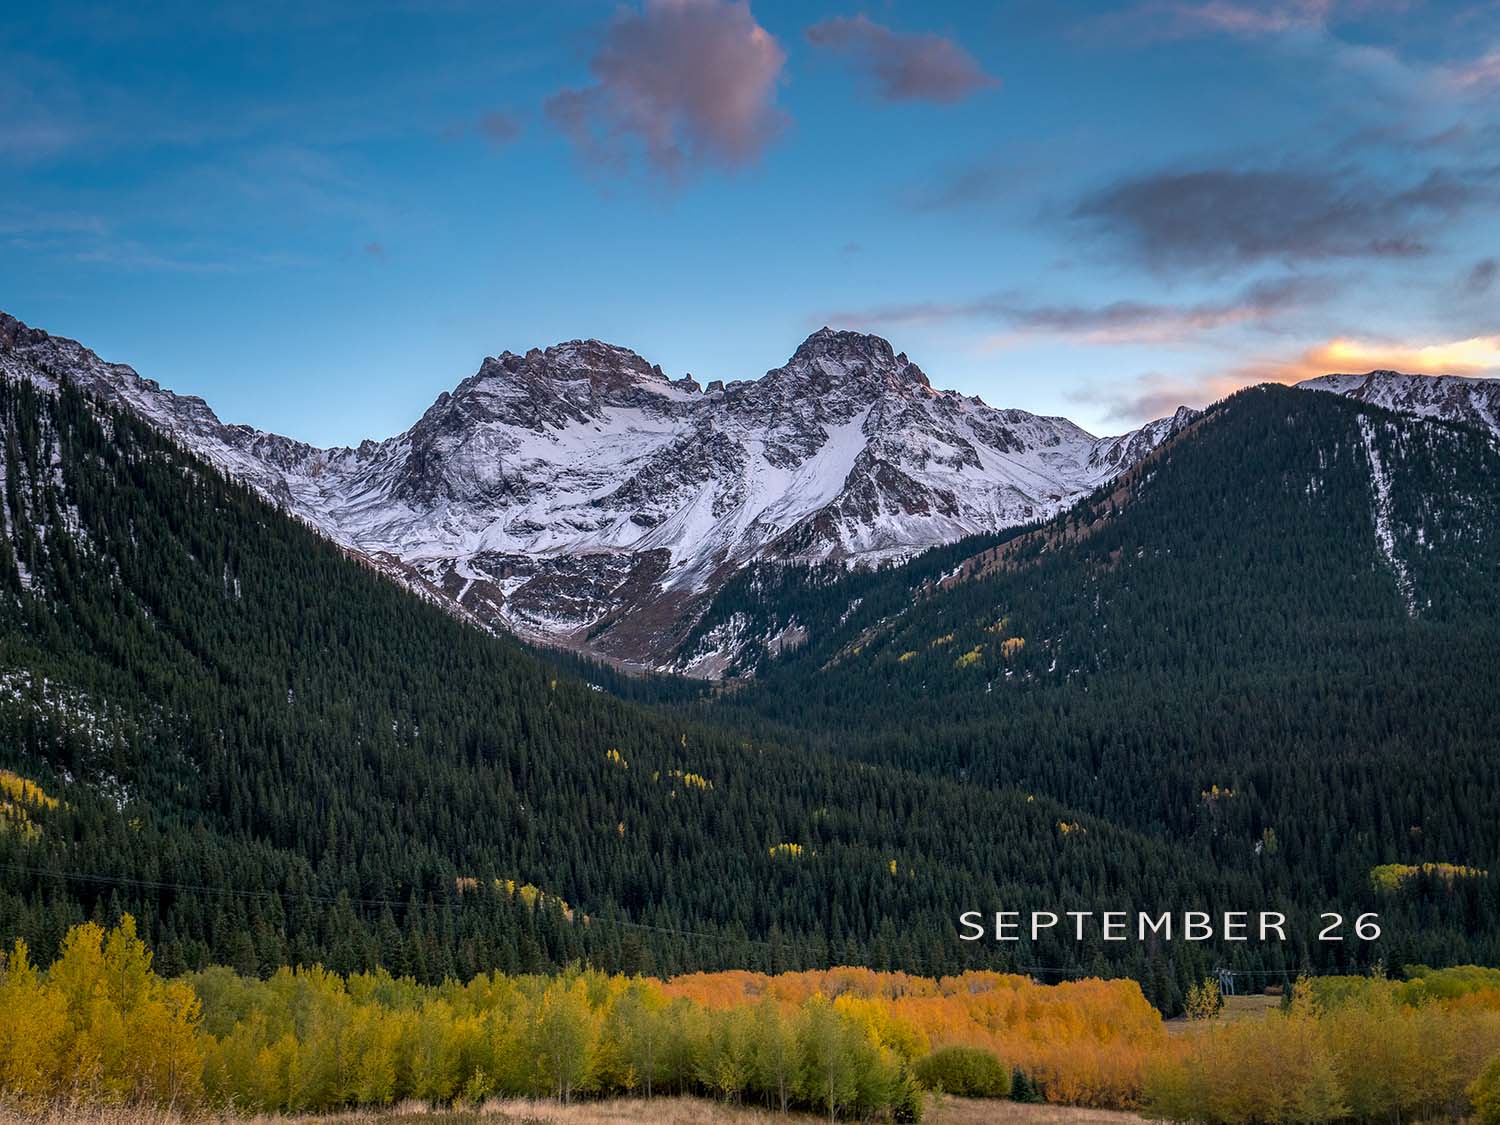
(214, 719)
(1273, 641)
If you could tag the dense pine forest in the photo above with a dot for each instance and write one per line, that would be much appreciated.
(1206, 688)
(270, 755)
(1273, 641)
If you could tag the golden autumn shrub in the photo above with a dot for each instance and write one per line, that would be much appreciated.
(1485, 1093)
(1272, 1069)
(99, 1026)
(1348, 1049)
(32, 1022)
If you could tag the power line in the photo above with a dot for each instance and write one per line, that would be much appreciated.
(407, 905)
(397, 904)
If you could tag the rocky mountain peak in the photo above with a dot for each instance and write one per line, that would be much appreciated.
(601, 365)
(597, 360)
(1455, 398)
(576, 494)
(841, 344)
(839, 357)
(14, 334)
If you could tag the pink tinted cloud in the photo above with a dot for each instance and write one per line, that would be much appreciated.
(680, 83)
(1479, 74)
(1225, 17)
(904, 67)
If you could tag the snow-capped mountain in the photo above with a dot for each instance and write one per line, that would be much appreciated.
(580, 496)
(1452, 398)
(577, 495)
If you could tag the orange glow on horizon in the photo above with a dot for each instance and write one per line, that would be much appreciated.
(1477, 355)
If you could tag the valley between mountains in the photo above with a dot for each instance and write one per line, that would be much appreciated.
(1252, 671)
(578, 496)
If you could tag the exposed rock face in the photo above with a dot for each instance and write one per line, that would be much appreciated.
(579, 496)
(1451, 398)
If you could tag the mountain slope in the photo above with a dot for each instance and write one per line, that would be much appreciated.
(269, 754)
(577, 495)
(1276, 632)
(1450, 398)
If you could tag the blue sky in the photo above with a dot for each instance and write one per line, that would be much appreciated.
(320, 215)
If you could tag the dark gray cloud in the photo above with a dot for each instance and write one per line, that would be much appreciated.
(680, 82)
(1116, 321)
(1221, 217)
(1481, 279)
(904, 67)
(498, 128)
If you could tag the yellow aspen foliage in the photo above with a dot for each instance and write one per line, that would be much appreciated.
(617, 758)
(99, 1026)
(1484, 1092)
(23, 791)
(691, 780)
(1391, 877)
(904, 657)
(127, 1035)
(786, 851)
(1204, 1000)
(533, 895)
(1011, 647)
(19, 799)
(562, 1038)
(33, 1020)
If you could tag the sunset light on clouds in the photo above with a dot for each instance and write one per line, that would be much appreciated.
(1102, 209)
(1479, 355)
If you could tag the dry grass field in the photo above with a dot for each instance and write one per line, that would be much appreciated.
(1236, 1009)
(659, 1111)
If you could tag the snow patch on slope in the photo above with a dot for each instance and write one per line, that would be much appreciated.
(1385, 535)
(562, 493)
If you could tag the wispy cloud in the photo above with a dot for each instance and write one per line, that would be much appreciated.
(681, 82)
(903, 66)
(498, 128)
(1124, 321)
(1160, 19)
(1476, 75)
(126, 255)
(39, 109)
(1482, 276)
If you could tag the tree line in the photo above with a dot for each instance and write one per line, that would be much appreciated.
(269, 755)
(100, 1026)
